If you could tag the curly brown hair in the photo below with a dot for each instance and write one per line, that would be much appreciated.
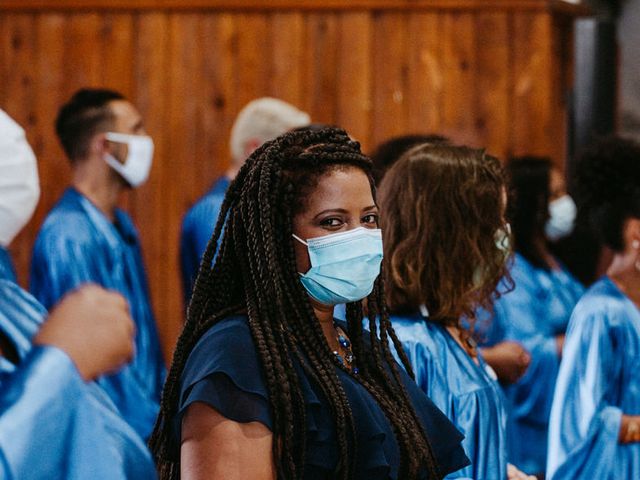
(441, 206)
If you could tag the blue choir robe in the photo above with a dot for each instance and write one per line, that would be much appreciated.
(597, 383)
(7, 271)
(78, 244)
(52, 423)
(534, 313)
(197, 229)
(466, 392)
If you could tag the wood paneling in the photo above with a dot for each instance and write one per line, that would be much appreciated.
(492, 74)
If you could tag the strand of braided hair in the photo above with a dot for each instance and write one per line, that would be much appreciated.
(254, 271)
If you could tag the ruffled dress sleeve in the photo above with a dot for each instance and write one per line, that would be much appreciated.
(223, 371)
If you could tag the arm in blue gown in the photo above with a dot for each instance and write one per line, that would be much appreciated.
(7, 272)
(586, 412)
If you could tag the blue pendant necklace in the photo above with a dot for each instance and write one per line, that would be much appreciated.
(346, 358)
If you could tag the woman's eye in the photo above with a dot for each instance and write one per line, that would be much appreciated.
(331, 222)
(372, 219)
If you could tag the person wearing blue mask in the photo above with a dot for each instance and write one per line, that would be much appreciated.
(86, 238)
(265, 382)
(536, 312)
(260, 120)
(53, 420)
(594, 429)
(446, 242)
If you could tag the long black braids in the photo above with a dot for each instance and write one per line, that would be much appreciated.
(254, 271)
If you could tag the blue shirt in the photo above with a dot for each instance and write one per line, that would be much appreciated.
(224, 371)
(197, 229)
(51, 422)
(597, 383)
(78, 244)
(465, 391)
(534, 313)
(7, 271)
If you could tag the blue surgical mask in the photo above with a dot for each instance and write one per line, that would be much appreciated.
(344, 266)
(562, 217)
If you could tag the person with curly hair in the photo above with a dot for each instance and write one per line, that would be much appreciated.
(446, 242)
(536, 313)
(594, 428)
(265, 383)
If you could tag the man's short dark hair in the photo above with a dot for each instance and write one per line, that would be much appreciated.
(82, 117)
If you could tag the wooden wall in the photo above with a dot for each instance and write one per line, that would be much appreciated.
(493, 74)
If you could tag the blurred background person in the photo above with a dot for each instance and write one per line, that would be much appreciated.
(260, 120)
(594, 430)
(446, 243)
(52, 422)
(87, 238)
(536, 312)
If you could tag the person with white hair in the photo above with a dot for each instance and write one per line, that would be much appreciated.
(54, 419)
(259, 121)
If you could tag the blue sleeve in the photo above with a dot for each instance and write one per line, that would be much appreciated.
(584, 428)
(61, 263)
(7, 271)
(189, 257)
(37, 407)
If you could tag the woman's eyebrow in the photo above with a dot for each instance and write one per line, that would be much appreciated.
(331, 210)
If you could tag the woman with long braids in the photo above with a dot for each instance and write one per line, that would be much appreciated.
(264, 382)
(594, 429)
(446, 244)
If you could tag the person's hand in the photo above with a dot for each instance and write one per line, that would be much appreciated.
(514, 474)
(93, 326)
(509, 360)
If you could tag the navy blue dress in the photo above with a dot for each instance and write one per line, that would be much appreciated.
(224, 371)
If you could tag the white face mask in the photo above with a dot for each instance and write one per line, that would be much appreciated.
(136, 167)
(562, 217)
(19, 184)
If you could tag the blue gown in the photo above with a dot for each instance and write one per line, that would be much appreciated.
(224, 371)
(197, 229)
(7, 271)
(78, 244)
(534, 313)
(598, 382)
(52, 424)
(465, 391)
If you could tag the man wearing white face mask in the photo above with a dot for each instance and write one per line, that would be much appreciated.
(86, 238)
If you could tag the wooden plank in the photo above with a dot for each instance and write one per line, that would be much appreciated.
(531, 50)
(558, 6)
(426, 78)
(355, 76)
(83, 62)
(117, 38)
(287, 32)
(252, 74)
(53, 165)
(321, 58)
(221, 104)
(493, 80)
(151, 81)
(19, 52)
(460, 91)
(390, 86)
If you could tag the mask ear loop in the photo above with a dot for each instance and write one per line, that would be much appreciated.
(299, 239)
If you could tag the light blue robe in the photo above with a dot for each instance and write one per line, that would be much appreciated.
(197, 229)
(52, 424)
(534, 313)
(7, 271)
(78, 244)
(599, 380)
(465, 391)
